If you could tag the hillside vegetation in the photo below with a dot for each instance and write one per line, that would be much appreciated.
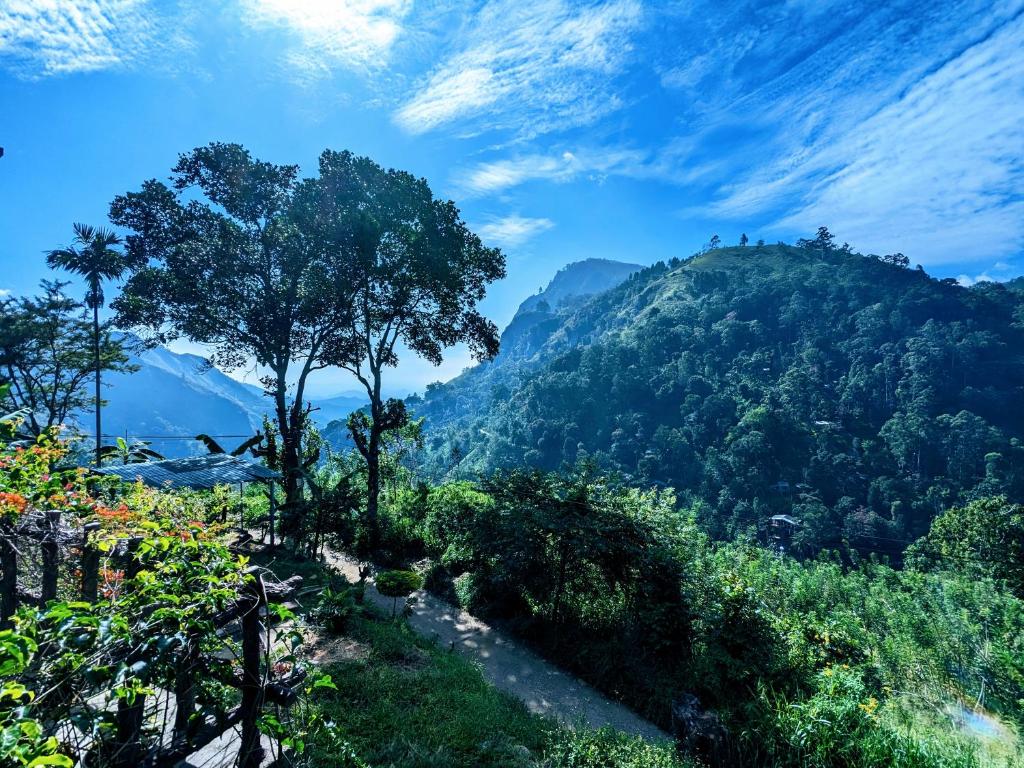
(857, 395)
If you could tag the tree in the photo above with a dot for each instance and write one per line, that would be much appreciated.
(237, 264)
(744, 239)
(418, 275)
(134, 452)
(714, 243)
(46, 359)
(822, 242)
(93, 256)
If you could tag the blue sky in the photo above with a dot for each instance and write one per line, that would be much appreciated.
(621, 129)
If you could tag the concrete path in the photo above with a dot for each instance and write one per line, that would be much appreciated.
(543, 687)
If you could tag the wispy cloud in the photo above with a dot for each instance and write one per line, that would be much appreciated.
(528, 67)
(499, 175)
(39, 38)
(512, 231)
(349, 33)
(896, 138)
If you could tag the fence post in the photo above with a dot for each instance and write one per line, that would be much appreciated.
(128, 750)
(184, 691)
(90, 564)
(50, 555)
(251, 753)
(9, 577)
(131, 564)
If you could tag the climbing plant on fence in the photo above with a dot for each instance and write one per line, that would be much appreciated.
(143, 635)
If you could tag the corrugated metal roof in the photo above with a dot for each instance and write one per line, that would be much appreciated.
(193, 472)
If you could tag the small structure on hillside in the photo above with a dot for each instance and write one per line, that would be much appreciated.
(781, 529)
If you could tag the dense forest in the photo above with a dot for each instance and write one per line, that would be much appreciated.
(851, 392)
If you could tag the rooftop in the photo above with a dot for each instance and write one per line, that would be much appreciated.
(193, 472)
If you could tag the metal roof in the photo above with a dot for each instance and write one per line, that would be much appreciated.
(193, 472)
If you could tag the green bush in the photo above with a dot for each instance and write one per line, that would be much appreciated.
(396, 584)
(607, 748)
(843, 725)
(336, 608)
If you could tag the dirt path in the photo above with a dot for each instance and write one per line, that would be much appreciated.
(543, 687)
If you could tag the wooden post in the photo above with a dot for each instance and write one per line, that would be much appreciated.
(251, 753)
(9, 577)
(273, 510)
(90, 564)
(128, 748)
(131, 564)
(184, 692)
(50, 556)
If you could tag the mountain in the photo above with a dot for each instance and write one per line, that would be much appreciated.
(857, 396)
(540, 315)
(172, 397)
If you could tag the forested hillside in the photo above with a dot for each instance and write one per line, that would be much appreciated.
(858, 395)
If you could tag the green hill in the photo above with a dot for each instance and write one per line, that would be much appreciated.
(860, 397)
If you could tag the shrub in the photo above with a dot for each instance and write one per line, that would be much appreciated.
(396, 584)
(841, 724)
(335, 609)
(607, 748)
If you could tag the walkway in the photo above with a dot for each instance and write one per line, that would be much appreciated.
(543, 687)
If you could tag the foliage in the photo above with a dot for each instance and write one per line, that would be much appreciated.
(841, 724)
(396, 584)
(418, 273)
(46, 356)
(607, 748)
(23, 739)
(165, 575)
(984, 537)
(130, 452)
(624, 589)
(336, 607)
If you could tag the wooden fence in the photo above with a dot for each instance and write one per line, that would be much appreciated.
(40, 561)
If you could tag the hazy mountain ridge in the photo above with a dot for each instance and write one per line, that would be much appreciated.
(174, 396)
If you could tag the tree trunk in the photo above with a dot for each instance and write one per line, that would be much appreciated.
(96, 361)
(373, 481)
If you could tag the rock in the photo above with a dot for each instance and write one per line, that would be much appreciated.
(700, 733)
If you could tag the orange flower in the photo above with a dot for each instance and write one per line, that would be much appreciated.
(12, 503)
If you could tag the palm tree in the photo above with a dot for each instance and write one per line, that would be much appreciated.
(94, 257)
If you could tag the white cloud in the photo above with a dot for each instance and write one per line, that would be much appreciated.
(514, 230)
(928, 164)
(530, 67)
(39, 38)
(4, 292)
(495, 176)
(351, 33)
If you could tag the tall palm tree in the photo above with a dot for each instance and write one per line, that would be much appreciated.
(92, 255)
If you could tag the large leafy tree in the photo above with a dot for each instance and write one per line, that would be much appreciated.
(46, 356)
(227, 257)
(95, 257)
(419, 273)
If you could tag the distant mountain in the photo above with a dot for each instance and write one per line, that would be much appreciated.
(173, 396)
(857, 396)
